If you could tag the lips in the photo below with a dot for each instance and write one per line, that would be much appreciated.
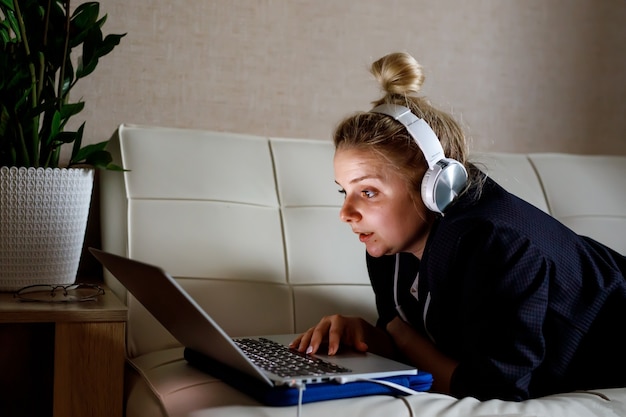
(364, 237)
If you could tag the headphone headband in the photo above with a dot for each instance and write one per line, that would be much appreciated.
(445, 178)
(421, 132)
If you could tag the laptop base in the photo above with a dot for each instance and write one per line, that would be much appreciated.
(286, 396)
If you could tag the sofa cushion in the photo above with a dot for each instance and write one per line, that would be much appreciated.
(515, 173)
(162, 383)
(587, 194)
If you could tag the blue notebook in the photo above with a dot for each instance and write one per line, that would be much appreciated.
(285, 396)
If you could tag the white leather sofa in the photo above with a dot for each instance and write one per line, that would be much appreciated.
(249, 226)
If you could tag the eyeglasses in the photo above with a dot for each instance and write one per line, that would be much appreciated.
(59, 293)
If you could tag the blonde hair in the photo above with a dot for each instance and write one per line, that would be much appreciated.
(401, 77)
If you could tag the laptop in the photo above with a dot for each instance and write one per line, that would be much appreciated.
(208, 347)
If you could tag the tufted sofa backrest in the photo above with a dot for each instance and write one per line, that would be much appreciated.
(249, 225)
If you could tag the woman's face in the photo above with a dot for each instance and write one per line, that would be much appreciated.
(378, 206)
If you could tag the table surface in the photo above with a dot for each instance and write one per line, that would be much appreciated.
(106, 308)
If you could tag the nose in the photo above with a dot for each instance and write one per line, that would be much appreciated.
(348, 212)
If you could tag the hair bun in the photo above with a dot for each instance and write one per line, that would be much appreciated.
(398, 73)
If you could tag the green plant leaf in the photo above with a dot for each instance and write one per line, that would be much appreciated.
(70, 109)
(89, 59)
(4, 120)
(83, 20)
(21, 101)
(6, 3)
(4, 33)
(99, 159)
(83, 153)
(19, 76)
(78, 142)
(96, 156)
(86, 14)
(102, 159)
(93, 49)
(109, 42)
(64, 137)
(12, 26)
(69, 79)
(56, 125)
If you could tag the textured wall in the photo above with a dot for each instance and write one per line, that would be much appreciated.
(520, 75)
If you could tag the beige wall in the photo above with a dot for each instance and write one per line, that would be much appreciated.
(521, 75)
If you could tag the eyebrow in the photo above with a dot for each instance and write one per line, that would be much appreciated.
(359, 179)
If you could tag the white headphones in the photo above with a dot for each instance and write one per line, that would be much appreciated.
(445, 177)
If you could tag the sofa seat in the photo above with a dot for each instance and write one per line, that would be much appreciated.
(607, 403)
(162, 383)
(249, 226)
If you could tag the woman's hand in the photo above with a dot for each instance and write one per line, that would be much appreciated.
(338, 330)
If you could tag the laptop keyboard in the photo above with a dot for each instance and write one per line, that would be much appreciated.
(283, 361)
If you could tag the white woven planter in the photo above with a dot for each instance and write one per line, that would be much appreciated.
(43, 216)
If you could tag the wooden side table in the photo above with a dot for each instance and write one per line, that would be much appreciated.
(89, 351)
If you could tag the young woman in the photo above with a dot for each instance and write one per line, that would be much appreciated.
(488, 293)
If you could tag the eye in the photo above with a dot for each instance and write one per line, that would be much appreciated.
(368, 193)
(342, 191)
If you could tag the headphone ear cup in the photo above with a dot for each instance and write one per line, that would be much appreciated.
(442, 184)
(428, 190)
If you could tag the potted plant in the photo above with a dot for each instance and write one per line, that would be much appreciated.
(45, 201)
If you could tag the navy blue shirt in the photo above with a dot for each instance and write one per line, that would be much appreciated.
(525, 305)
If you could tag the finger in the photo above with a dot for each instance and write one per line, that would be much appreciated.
(295, 343)
(358, 338)
(319, 335)
(335, 334)
(309, 341)
(361, 346)
(351, 333)
(304, 340)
